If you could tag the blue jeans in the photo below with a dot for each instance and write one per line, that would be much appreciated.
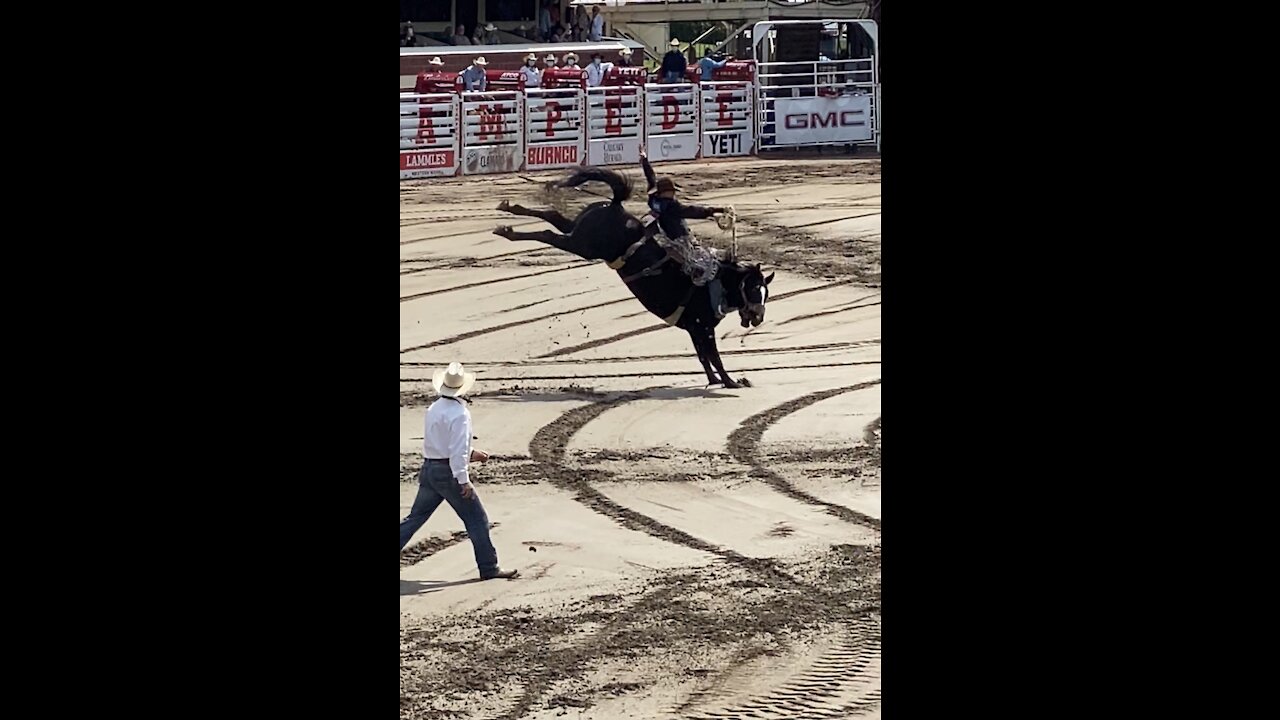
(436, 483)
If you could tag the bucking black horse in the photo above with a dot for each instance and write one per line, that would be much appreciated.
(605, 231)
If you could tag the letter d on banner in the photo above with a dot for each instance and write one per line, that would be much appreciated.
(670, 112)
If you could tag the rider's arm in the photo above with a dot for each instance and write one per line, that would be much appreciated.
(697, 212)
(648, 173)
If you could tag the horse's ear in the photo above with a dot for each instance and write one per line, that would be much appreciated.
(768, 279)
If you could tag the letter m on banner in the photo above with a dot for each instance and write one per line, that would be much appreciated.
(491, 121)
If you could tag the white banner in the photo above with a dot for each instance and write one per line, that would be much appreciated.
(614, 127)
(727, 119)
(802, 121)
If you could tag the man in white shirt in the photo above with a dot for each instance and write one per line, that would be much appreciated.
(597, 70)
(530, 72)
(446, 450)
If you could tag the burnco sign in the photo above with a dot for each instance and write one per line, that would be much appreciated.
(823, 119)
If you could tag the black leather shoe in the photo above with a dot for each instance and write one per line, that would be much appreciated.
(504, 574)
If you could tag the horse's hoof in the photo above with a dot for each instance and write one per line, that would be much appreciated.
(731, 385)
(745, 382)
(503, 231)
(504, 206)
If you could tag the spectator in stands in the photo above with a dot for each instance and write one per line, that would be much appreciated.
(624, 58)
(558, 34)
(571, 61)
(530, 72)
(597, 70)
(597, 24)
(582, 25)
(555, 14)
(673, 64)
(407, 38)
(523, 31)
(544, 22)
(711, 63)
(491, 35)
(548, 62)
(460, 36)
(477, 36)
(425, 78)
(474, 78)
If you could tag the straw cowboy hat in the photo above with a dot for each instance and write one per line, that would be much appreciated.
(550, 58)
(531, 56)
(453, 381)
(675, 42)
(571, 57)
(481, 61)
(490, 27)
(625, 52)
(436, 61)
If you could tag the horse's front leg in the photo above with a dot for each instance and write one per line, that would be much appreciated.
(714, 355)
(561, 223)
(695, 333)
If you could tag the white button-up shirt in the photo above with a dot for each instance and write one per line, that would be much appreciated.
(448, 435)
(532, 76)
(595, 73)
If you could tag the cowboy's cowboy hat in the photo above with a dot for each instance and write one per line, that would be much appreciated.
(490, 27)
(571, 57)
(664, 184)
(531, 56)
(481, 61)
(675, 42)
(436, 61)
(453, 381)
(625, 52)
(551, 58)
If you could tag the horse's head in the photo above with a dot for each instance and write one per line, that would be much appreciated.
(753, 292)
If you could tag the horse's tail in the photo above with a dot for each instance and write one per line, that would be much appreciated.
(620, 183)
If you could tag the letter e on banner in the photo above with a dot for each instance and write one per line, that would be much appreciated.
(426, 127)
(613, 115)
(723, 100)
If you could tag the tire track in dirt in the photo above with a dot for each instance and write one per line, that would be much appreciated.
(845, 679)
(665, 373)
(797, 349)
(460, 233)
(454, 263)
(643, 331)
(420, 551)
(548, 447)
(745, 440)
(484, 283)
(507, 326)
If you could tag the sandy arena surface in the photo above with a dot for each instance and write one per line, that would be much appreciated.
(685, 551)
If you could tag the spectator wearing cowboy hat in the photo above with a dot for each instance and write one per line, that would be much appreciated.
(530, 72)
(491, 35)
(423, 85)
(624, 58)
(571, 61)
(673, 64)
(446, 451)
(548, 62)
(474, 78)
(597, 70)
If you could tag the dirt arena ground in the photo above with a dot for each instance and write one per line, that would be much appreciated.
(685, 552)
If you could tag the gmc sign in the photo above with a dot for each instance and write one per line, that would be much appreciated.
(812, 120)
(801, 121)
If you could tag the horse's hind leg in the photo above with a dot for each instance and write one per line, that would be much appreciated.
(561, 223)
(563, 242)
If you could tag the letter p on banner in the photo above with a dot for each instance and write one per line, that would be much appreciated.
(553, 116)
